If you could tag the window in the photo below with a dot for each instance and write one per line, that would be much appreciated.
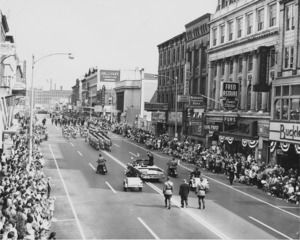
(277, 110)
(230, 31)
(182, 52)
(231, 66)
(289, 15)
(168, 57)
(277, 91)
(285, 90)
(272, 58)
(250, 63)
(214, 37)
(260, 19)
(239, 27)
(272, 15)
(222, 34)
(295, 109)
(289, 57)
(222, 68)
(174, 55)
(249, 23)
(285, 109)
(296, 90)
(240, 62)
(178, 53)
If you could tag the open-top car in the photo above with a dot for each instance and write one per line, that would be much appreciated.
(140, 162)
(147, 172)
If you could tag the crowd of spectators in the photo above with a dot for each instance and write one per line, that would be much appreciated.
(273, 179)
(26, 205)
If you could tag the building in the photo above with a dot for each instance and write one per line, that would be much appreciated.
(172, 70)
(244, 38)
(285, 113)
(131, 96)
(197, 42)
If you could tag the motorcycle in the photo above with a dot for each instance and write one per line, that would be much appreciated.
(172, 171)
(101, 168)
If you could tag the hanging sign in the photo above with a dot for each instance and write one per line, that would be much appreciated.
(230, 95)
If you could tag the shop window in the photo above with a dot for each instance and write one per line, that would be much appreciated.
(295, 109)
(285, 109)
(285, 90)
(277, 91)
(295, 90)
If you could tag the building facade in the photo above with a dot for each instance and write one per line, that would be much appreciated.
(285, 114)
(244, 39)
(171, 81)
(197, 42)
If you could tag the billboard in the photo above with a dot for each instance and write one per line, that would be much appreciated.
(7, 49)
(109, 76)
(230, 95)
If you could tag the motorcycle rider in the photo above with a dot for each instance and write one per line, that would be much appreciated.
(196, 173)
(172, 165)
(101, 163)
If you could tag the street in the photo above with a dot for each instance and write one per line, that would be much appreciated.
(95, 206)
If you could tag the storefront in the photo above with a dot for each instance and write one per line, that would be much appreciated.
(195, 131)
(158, 120)
(172, 124)
(285, 144)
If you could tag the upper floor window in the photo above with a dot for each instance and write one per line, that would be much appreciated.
(249, 23)
(250, 63)
(239, 27)
(214, 35)
(289, 16)
(178, 53)
(231, 66)
(174, 55)
(260, 19)
(182, 52)
(230, 31)
(289, 57)
(240, 65)
(272, 15)
(222, 33)
(168, 57)
(272, 58)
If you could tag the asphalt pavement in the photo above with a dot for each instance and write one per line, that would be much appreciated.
(95, 206)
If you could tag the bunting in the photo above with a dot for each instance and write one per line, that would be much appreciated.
(221, 138)
(230, 140)
(284, 146)
(297, 148)
(253, 143)
(245, 142)
(273, 146)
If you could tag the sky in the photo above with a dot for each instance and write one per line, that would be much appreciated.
(108, 34)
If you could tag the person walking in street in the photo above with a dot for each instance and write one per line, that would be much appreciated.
(201, 192)
(168, 191)
(184, 190)
(49, 187)
(151, 158)
(44, 121)
(231, 172)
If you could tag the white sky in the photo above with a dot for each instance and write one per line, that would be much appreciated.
(110, 34)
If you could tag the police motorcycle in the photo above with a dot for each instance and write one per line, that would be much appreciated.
(172, 168)
(196, 178)
(101, 167)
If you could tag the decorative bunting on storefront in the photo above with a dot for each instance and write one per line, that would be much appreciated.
(210, 133)
(230, 139)
(284, 146)
(221, 138)
(253, 143)
(273, 146)
(245, 142)
(297, 148)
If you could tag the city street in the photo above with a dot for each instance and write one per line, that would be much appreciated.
(95, 206)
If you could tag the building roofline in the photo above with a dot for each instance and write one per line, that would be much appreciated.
(199, 19)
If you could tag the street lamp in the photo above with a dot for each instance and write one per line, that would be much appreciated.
(31, 99)
(176, 99)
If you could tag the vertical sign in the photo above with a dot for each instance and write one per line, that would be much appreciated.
(186, 80)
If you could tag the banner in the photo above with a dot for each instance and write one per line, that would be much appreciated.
(109, 76)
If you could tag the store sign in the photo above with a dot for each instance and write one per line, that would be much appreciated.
(287, 132)
(172, 117)
(187, 77)
(196, 101)
(211, 127)
(230, 95)
(109, 76)
(7, 49)
(156, 106)
(183, 98)
(158, 117)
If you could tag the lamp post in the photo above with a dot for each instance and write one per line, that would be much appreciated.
(31, 100)
(176, 99)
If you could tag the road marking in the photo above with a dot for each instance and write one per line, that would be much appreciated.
(72, 144)
(110, 187)
(287, 207)
(235, 189)
(116, 145)
(285, 236)
(203, 222)
(92, 166)
(149, 229)
(68, 195)
(79, 153)
(133, 154)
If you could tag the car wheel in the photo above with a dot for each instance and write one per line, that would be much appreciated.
(125, 189)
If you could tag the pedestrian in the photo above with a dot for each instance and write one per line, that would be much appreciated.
(44, 121)
(231, 172)
(184, 193)
(201, 192)
(49, 187)
(168, 191)
(151, 158)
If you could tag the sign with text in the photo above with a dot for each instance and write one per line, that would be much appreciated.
(196, 100)
(230, 95)
(158, 117)
(186, 80)
(172, 117)
(109, 76)
(183, 98)
(7, 49)
(211, 127)
(285, 132)
(156, 106)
